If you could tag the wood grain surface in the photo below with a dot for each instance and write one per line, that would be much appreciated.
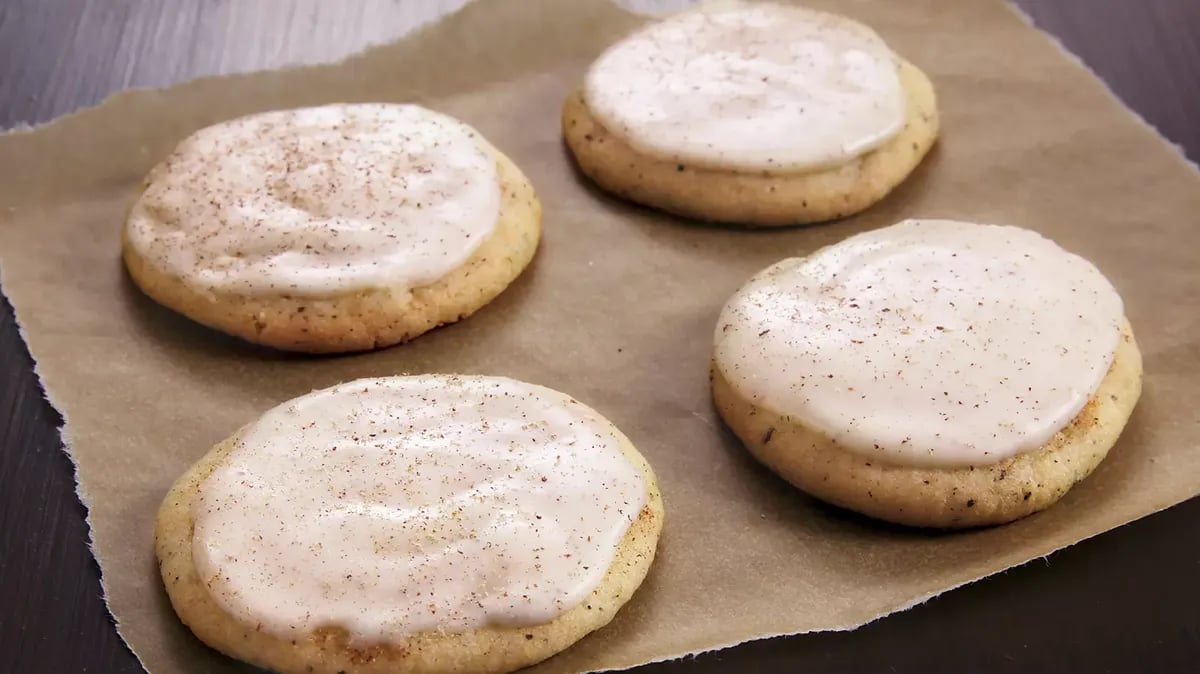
(1076, 611)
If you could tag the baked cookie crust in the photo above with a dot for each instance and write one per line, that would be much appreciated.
(764, 199)
(329, 651)
(948, 498)
(370, 318)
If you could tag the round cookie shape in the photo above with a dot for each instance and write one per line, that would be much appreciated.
(318, 201)
(930, 342)
(752, 114)
(749, 87)
(437, 523)
(335, 228)
(936, 373)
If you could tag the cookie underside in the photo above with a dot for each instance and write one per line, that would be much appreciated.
(940, 497)
(369, 318)
(755, 198)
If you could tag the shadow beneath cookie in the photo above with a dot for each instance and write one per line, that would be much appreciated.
(186, 338)
(906, 200)
(625, 207)
(722, 493)
(888, 210)
(798, 504)
(618, 203)
(177, 332)
(723, 243)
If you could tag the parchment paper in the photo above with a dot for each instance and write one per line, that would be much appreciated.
(617, 309)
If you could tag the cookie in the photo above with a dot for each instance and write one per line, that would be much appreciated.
(332, 229)
(757, 114)
(410, 524)
(933, 373)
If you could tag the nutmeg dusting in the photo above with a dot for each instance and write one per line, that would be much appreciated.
(398, 505)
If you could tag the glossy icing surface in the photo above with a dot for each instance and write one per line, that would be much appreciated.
(319, 201)
(406, 504)
(750, 87)
(930, 342)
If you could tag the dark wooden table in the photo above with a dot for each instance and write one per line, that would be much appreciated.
(1128, 601)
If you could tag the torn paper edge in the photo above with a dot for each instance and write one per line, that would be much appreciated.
(64, 436)
(64, 431)
(1178, 150)
(22, 128)
(850, 627)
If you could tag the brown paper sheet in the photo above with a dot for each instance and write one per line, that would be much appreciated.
(617, 309)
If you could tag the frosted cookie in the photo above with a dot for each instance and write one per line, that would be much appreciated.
(931, 373)
(330, 229)
(410, 524)
(758, 114)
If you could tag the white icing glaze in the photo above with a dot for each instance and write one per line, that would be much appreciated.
(927, 343)
(750, 87)
(405, 504)
(319, 201)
